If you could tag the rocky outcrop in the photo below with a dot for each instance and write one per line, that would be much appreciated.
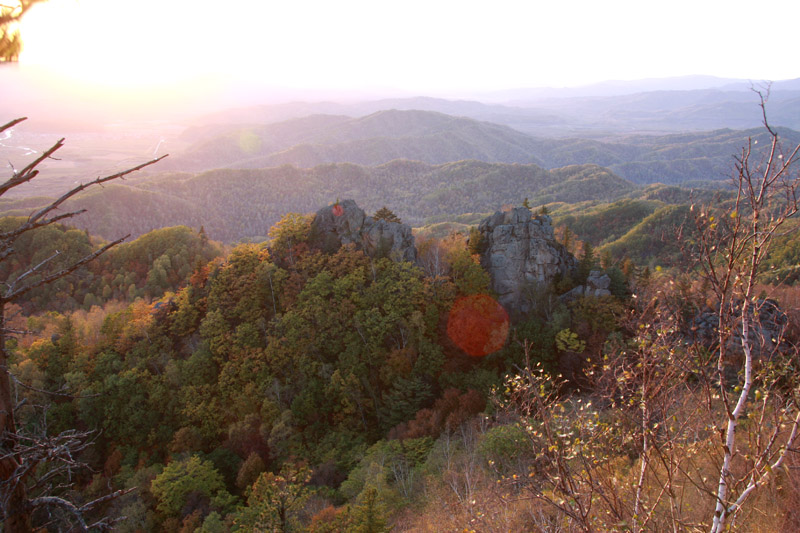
(597, 284)
(768, 323)
(521, 250)
(346, 223)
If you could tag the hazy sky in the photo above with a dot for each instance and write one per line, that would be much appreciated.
(417, 46)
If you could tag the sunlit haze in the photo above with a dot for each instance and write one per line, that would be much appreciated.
(446, 48)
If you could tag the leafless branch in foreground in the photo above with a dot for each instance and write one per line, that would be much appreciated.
(36, 470)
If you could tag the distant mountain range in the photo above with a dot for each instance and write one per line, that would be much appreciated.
(628, 87)
(436, 138)
(692, 103)
(675, 130)
(236, 172)
(376, 139)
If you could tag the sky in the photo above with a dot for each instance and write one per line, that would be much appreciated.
(435, 47)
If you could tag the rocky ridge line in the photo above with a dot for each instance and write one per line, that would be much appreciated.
(346, 223)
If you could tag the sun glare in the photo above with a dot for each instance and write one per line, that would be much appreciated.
(417, 45)
(119, 44)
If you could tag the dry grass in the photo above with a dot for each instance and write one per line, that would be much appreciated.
(693, 461)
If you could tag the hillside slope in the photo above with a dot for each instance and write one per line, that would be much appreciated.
(234, 204)
(372, 140)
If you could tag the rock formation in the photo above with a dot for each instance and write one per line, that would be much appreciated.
(597, 284)
(521, 250)
(346, 223)
(768, 323)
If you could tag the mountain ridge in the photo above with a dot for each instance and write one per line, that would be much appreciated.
(234, 204)
(437, 138)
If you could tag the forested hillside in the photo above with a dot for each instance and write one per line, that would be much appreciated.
(372, 140)
(232, 205)
(237, 204)
(159, 261)
(285, 388)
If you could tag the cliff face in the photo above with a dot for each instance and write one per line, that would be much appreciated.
(521, 250)
(346, 223)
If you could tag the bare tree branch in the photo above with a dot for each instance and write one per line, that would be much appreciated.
(35, 220)
(23, 485)
(29, 172)
(33, 270)
(48, 392)
(12, 123)
(13, 294)
(5, 237)
(766, 199)
(64, 504)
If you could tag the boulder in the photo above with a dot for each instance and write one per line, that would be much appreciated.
(597, 284)
(768, 324)
(346, 223)
(520, 250)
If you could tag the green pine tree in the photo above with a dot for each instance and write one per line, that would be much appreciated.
(384, 213)
(587, 263)
(477, 242)
(567, 242)
(369, 514)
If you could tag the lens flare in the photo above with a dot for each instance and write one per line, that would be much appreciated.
(478, 324)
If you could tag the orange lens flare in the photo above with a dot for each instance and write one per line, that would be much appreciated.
(478, 324)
